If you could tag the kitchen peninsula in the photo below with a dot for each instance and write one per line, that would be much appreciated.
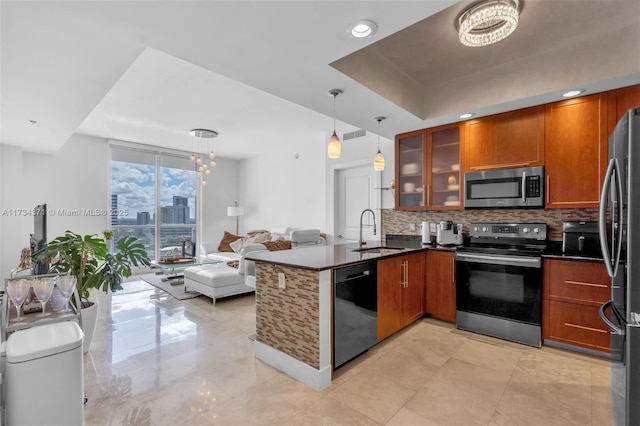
(293, 306)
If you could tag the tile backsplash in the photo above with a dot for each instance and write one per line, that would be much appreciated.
(399, 222)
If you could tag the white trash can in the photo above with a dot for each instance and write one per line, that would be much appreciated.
(44, 376)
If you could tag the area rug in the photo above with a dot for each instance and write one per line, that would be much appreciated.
(176, 291)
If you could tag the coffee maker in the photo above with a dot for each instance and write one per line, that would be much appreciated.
(449, 234)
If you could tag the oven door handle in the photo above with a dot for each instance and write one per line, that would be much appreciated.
(529, 262)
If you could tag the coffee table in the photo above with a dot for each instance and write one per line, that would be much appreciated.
(173, 270)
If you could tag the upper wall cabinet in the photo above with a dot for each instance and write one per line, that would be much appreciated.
(444, 186)
(621, 101)
(575, 151)
(511, 139)
(410, 177)
(428, 169)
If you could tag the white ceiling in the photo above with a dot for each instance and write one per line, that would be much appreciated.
(257, 72)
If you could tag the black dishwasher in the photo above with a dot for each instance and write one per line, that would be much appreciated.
(355, 311)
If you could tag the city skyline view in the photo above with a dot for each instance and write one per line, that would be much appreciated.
(134, 191)
(134, 186)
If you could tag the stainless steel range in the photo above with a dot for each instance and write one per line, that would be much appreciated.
(499, 281)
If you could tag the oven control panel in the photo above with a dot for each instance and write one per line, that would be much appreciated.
(531, 231)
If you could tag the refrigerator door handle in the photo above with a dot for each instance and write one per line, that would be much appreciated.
(609, 262)
(617, 329)
(618, 222)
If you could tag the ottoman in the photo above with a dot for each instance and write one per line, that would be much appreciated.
(215, 281)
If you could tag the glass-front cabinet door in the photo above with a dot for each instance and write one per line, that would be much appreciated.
(410, 177)
(428, 168)
(444, 183)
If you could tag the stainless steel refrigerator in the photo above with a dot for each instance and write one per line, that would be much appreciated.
(620, 243)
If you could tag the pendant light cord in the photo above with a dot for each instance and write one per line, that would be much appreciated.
(334, 111)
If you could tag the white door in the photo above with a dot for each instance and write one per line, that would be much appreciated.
(354, 193)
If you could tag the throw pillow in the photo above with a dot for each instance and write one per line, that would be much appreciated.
(227, 239)
(277, 245)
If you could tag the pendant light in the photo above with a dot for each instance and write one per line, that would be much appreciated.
(334, 149)
(203, 142)
(378, 162)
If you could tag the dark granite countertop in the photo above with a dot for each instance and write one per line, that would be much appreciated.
(337, 255)
(554, 251)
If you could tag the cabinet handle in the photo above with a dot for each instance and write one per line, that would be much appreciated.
(406, 273)
(582, 327)
(425, 194)
(586, 284)
(406, 269)
(403, 274)
(548, 186)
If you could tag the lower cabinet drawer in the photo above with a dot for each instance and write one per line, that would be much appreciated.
(578, 282)
(577, 325)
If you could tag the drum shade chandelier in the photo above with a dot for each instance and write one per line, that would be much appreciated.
(334, 148)
(202, 141)
(488, 22)
(378, 161)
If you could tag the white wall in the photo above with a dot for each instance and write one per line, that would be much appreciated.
(220, 192)
(69, 181)
(285, 188)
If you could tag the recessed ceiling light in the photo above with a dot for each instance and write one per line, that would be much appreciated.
(364, 28)
(572, 93)
(467, 115)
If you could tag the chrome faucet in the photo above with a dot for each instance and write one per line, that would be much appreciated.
(362, 242)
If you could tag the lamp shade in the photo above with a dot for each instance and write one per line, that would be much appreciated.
(334, 149)
(235, 211)
(378, 162)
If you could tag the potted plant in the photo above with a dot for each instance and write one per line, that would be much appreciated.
(89, 260)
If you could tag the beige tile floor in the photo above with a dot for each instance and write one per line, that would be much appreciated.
(159, 361)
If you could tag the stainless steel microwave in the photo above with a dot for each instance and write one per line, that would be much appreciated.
(521, 187)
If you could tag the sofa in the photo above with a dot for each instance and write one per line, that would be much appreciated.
(229, 277)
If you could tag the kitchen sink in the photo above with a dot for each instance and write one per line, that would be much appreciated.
(378, 249)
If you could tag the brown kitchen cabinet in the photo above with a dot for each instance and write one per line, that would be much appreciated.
(507, 140)
(573, 292)
(410, 173)
(441, 285)
(428, 169)
(575, 151)
(401, 281)
(621, 101)
(443, 183)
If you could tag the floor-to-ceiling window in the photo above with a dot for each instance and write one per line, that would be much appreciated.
(154, 194)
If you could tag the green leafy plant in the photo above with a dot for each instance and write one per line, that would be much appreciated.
(88, 259)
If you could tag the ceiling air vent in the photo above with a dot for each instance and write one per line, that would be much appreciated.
(355, 134)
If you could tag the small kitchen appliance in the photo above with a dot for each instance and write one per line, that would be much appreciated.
(581, 238)
(449, 233)
(425, 231)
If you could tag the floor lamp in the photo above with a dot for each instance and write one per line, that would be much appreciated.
(237, 212)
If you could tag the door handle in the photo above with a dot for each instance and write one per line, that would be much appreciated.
(524, 187)
(611, 263)
(614, 327)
